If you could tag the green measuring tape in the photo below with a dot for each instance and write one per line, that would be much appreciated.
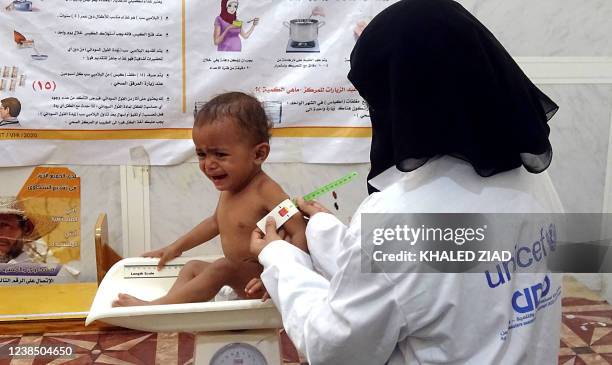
(329, 187)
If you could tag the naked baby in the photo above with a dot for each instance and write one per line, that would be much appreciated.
(231, 137)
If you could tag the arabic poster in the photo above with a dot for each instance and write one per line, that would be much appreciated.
(111, 78)
(45, 243)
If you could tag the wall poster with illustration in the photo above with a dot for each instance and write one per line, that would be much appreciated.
(107, 78)
(40, 229)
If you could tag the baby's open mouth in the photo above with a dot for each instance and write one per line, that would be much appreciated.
(218, 177)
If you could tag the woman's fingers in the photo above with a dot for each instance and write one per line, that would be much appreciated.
(311, 207)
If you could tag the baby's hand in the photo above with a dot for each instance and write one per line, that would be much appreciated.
(165, 254)
(256, 289)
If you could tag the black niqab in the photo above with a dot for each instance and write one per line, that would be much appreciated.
(439, 83)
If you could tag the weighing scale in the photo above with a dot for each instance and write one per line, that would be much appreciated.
(244, 332)
(254, 347)
(140, 271)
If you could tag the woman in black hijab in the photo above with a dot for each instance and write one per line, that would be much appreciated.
(453, 119)
(438, 82)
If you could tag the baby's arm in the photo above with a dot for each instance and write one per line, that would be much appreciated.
(203, 232)
(295, 227)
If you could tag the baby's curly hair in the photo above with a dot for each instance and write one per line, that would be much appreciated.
(244, 109)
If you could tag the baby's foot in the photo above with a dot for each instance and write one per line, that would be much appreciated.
(126, 300)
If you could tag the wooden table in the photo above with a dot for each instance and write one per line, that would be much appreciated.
(47, 308)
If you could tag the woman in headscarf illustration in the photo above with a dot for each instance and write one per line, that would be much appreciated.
(228, 29)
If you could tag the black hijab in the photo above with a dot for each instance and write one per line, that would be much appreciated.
(439, 83)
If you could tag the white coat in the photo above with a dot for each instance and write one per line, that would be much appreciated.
(336, 314)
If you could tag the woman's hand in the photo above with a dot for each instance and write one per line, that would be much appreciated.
(311, 207)
(165, 254)
(246, 35)
(259, 240)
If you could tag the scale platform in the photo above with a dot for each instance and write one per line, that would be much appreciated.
(143, 271)
(138, 276)
(228, 332)
(292, 49)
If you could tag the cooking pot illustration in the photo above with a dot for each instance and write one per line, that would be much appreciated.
(304, 30)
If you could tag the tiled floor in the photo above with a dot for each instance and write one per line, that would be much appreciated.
(586, 339)
(119, 347)
(112, 347)
(586, 329)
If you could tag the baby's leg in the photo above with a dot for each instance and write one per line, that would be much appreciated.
(244, 272)
(189, 271)
(194, 285)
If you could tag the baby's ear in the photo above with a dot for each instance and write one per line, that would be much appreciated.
(261, 151)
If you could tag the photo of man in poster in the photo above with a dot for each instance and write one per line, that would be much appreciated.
(9, 111)
(20, 231)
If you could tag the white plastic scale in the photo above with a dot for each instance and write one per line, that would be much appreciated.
(246, 347)
(228, 332)
(141, 271)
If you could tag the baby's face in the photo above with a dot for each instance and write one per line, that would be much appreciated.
(226, 157)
